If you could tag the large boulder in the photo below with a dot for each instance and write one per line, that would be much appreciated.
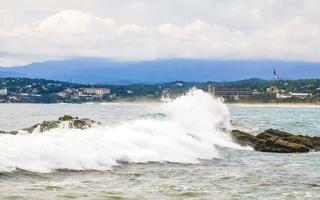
(81, 123)
(66, 118)
(277, 141)
(244, 139)
(48, 125)
(280, 146)
(271, 133)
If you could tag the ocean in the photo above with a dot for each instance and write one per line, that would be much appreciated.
(178, 149)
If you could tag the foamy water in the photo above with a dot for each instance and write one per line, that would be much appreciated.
(188, 132)
(177, 149)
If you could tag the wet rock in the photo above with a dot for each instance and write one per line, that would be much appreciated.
(311, 142)
(31, 129)
(277, 141)
(48, 125)
(244, 139)
(270, 133)
(280, 146)
(81, 123)
(10, 132)
(65, 121)
(66, 118)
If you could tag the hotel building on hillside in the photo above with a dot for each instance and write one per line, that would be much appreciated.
(3, 92)
(94, 91)
(294, 95)
(230, 92)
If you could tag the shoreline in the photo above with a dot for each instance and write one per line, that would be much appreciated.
(307, 105)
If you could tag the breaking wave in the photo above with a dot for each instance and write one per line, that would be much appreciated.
(184, 130)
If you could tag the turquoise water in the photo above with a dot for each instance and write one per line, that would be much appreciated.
(294, 119)
(233, 174)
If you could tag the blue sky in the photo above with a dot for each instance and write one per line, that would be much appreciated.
(37, 30)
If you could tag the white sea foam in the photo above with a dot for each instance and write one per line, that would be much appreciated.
(187, 133)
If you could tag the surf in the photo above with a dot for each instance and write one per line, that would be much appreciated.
(184, 130)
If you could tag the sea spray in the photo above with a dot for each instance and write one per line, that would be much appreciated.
(186, 131)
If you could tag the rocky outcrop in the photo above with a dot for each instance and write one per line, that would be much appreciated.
(65, 121)
(277, 141)
(81, 123)
(66, 118)
(9, 132)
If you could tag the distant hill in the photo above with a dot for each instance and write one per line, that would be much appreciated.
(102, 71)
(5, 73)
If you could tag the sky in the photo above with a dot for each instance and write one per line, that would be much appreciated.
(38, 30)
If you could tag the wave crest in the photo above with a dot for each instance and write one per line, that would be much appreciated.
(184, 131)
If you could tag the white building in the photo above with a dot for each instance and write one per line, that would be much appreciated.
(294, 95)
(301, 95)
(3, 92)
(129, 92)
(284, 96)
(96, 91)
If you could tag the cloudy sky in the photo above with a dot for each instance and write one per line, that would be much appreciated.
(38, 30)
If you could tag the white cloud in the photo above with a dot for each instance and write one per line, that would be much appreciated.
(72, 23)
(167, 29)
(73, 33)
(184, 31)
(129, 28)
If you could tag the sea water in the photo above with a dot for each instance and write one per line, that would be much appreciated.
(178, 149)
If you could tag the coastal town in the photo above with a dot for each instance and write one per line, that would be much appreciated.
(24, 90)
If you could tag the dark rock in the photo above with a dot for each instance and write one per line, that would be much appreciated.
(66, 118)
(310, 142)
(10, 132)
(244, 139)
(270, 133)
(316, 143)
(13, 132)
(72, 122)
(48, 125)
(277, 141)
(31, 129)
(81, 123)
(280, 146)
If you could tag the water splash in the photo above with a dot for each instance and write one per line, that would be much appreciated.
(184, 130)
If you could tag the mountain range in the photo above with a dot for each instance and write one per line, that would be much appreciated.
(100, 71)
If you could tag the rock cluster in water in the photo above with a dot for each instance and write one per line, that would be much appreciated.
(65, 121)
(276, 141)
